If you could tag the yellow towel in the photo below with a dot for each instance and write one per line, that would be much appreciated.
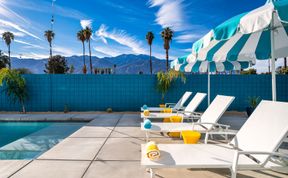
(146, 112)
(175, 119)
(152, 151)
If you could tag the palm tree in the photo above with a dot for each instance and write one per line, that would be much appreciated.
(81, 37)
(8, 37)
(167, 35)
(88, 33)
(285, 62)
(49, 35)
(150, 38)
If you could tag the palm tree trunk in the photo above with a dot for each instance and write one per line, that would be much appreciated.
(23, 107)
(167, 57)
(50, 44)
(150, 61)
(285, 62)
(91, 67)
(84, 61)
(9, 52)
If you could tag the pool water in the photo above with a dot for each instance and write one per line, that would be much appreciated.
(28, 140)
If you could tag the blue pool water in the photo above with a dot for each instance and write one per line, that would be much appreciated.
(28, 140)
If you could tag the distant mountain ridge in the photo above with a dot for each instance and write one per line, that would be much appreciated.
(125, 63)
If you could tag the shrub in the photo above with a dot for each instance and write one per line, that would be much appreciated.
(56, 65)
(15, 86)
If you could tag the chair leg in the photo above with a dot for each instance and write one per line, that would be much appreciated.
(151, 173)
(147, 136)
(233, 173)
(206, 138)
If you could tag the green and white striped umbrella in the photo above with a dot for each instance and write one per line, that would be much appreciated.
(189, 63)
(256, 35)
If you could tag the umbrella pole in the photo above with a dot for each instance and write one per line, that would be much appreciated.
(274, 96)
(208, 84)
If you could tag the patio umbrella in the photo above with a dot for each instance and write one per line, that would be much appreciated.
(189, 63)
(257, 35)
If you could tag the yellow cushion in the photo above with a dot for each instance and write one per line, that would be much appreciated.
(190, 137)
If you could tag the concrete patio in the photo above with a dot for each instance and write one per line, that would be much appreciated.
(109, 146)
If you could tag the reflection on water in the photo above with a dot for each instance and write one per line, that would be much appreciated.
(29, 140)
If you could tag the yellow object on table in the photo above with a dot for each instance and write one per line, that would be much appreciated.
(162, 105)
(146, 112)
(191, 137)
(175, 119)
(152, 151)
(167, 110)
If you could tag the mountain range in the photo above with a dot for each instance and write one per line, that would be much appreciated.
(125, 64)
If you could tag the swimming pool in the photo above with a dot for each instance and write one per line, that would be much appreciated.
(28, 140)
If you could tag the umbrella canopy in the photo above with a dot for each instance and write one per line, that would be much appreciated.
(259, 34)
(189, 63)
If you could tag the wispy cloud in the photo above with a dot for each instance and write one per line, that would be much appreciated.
(186, 38)
(86, 23)
(45, 7)
(121, 37)
(64, 51)
(8, 24)
(171, 13)
(106, 51)
(7, 12)
(29, 44)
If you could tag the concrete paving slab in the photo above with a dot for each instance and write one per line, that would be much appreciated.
(53, 169)
(7, 117)
(121, 149)
(105, 121)
(130, 121)
(87, 117)
(116, 169)
(75, 149)
(93, 131)
(8, 167)
(131, 132)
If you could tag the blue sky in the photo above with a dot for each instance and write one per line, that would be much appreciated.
(119, 26)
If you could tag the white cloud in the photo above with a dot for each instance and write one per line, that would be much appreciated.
(45, 7)
(29, 44)
(86, 23)
(34, 56)
(7, 24)
(121, 37)
(187, 38)
(7, 12)
(171, 14)
(64, 51)
(106, 51)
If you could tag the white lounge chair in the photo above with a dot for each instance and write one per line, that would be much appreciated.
(252, 148)
(206, 124)
(175, 106)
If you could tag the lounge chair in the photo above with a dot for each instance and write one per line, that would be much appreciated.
(175, 106)
(206, 124)
(253, 148)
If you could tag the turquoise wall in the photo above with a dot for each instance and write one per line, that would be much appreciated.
(129, 92)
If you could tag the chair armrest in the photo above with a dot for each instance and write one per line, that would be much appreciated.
(214, 124)
(238, 153)
(263, 153)
(170, 104)
(192, 113)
